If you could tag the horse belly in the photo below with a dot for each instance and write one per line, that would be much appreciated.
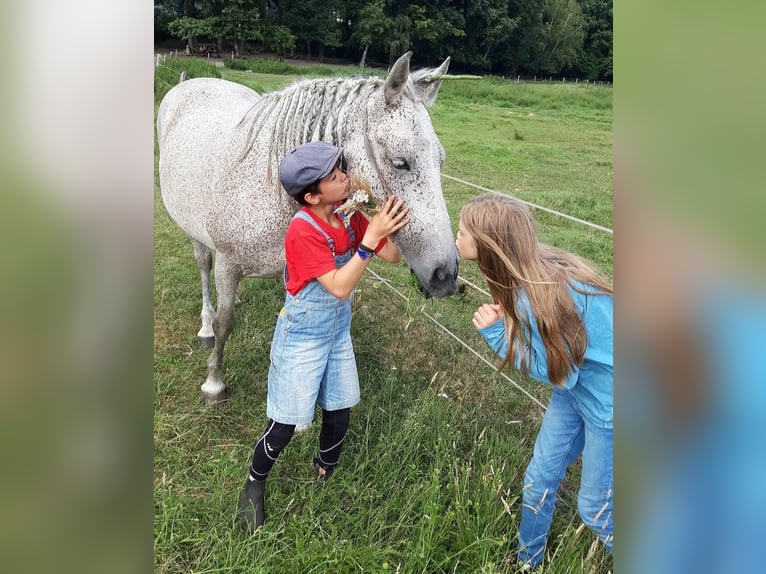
(199, 142)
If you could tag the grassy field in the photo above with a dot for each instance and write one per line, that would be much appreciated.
(431, 476)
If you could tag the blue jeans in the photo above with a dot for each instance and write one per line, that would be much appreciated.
(564, 434)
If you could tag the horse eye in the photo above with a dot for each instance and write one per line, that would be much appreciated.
(400, 163)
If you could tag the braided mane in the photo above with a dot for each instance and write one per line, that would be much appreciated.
(310, 110)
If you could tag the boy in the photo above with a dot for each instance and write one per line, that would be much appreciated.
(312, 359)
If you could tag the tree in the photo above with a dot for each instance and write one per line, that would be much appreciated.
(480, 50)
(399, 37)
(422, 27)
(521, 49)
(313, 21)
(596, 60)
(564, 31)
(433, 24)
(165, 11)
(240, 21)
(189, 28)
(372, 24)
(278, 38)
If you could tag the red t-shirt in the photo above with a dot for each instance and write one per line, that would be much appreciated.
(307, 253)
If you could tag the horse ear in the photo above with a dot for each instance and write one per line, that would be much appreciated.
(397, 78)
(428, 82)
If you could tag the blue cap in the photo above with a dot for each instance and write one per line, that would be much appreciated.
(306, 164)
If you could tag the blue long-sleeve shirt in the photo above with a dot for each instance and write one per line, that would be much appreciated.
(590, 384)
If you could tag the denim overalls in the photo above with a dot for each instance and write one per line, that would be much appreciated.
(312, 359)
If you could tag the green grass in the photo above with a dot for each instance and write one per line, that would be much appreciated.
(281, 67)
(168, 73)
(431, 476)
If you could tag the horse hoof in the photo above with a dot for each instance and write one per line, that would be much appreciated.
(212, 400)
(206, 342)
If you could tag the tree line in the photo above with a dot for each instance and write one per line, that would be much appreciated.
(501, 37)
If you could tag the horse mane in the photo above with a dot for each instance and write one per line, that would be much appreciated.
(313, 109)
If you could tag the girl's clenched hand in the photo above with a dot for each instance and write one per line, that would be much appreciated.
(486, 315)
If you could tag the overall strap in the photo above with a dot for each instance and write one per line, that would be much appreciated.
(310, 220)
(347, 224)
(306, 217)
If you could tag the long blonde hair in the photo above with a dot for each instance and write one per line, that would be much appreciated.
(511, 258)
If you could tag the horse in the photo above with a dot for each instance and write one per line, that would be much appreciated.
(220, 144)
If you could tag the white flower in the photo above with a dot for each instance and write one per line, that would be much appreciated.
(361, 198)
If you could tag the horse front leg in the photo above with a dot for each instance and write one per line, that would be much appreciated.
(226, 281)
(204, 259)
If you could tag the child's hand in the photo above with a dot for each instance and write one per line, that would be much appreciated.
(389, 219)
(486, 315)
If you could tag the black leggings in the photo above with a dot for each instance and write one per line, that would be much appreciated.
(332, 436)
(276, 436)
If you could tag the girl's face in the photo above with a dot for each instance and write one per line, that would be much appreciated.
(465, 243)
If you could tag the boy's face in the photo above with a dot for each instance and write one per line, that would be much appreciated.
(465, 243)
(335, 186)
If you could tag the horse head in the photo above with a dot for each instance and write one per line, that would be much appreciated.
(397, 152)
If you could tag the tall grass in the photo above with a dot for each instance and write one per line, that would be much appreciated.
(499, 92)
(283, 68)
(431, 475)
(168, 73)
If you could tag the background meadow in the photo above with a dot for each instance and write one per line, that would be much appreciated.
(431, 475)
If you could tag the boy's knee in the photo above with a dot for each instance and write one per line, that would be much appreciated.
(277, 437)
(338, 419)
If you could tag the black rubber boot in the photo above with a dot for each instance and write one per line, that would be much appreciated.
(322, 472)
(250, 514)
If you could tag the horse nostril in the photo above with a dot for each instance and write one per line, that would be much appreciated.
(443, 281)
(442, 276)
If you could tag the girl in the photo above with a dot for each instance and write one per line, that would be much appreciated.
(551, 317)
(312, 360)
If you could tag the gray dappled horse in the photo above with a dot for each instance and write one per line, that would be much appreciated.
(220, 145)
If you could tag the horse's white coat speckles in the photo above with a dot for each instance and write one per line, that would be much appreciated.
(220, 147)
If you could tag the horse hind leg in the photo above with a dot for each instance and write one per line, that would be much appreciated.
(226, 280)
(204, 259)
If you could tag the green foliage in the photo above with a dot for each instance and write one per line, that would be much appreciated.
(529, 37)
(189, 27)
(168, 73)
(435, 26)
(239, 20)
(596, 58)
(272, 66)
(564, 31)
(164, 13)
(312, 21)
(278, 38)
(372, 23)
(236, 63)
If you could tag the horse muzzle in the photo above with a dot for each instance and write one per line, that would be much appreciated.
(441, 283)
